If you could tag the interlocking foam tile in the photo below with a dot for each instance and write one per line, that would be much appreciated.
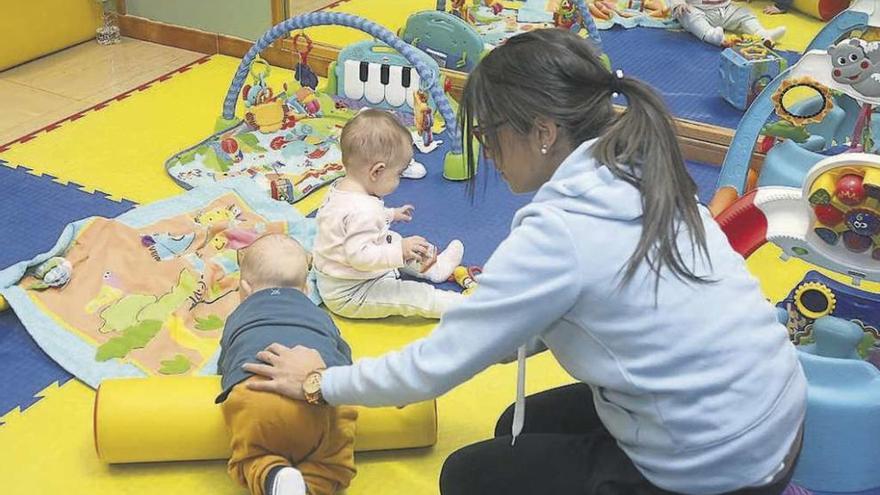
(34, 212)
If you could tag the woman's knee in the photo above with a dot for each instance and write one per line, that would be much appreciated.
(457, 474)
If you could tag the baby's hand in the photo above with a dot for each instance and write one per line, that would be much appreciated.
(404, 213)
(680, 10)
(773, 10)
(415, 248)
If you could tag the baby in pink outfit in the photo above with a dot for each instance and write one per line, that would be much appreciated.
(357, 257)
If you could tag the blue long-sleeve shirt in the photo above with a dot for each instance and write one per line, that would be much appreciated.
(285, 316)
(698, 383)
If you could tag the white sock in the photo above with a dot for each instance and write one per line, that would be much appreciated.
(288, 481)
(715, 36)
(446, 262)
(774, 34)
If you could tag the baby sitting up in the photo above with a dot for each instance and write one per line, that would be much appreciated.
(708, 19)
(357, 255)
(282, 446)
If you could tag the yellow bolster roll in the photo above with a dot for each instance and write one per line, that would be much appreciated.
(175, 419)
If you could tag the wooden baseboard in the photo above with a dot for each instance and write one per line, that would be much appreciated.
(699, 142)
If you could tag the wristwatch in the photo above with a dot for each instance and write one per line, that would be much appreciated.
(312, 387)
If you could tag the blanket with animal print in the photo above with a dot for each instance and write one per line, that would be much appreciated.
(148, 292)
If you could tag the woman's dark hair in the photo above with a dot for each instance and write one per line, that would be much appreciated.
(557, 75)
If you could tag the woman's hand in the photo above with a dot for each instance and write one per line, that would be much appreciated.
(285, 368)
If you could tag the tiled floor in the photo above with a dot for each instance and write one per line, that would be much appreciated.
(41, 92)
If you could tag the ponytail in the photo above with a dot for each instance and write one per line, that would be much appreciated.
(643, 139)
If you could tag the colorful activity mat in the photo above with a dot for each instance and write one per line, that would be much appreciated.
(682, 68)
(148, 292)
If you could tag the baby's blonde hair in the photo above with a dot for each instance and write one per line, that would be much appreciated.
(274, 260)
(374, 136)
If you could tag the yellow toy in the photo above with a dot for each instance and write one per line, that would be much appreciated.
(3, 304)
(466, 278)
(266, 112)
(175, 419)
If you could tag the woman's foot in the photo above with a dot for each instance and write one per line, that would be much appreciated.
(284, 480)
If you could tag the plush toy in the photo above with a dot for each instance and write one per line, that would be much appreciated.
(857, 64)
(54, 272)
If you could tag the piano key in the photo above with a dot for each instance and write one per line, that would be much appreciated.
(383, 74)
(395, 93)
(364, 69)
(405, 77)
(374, 91)
(414, 85)
(354, 87)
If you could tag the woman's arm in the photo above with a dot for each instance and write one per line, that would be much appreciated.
(530, 282)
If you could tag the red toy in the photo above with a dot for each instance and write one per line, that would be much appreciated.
(828, 214)
(849, 189)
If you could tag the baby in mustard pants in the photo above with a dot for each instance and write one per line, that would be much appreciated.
(282, 446)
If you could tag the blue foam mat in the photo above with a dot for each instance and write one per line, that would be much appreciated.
(683, 68)
(445, 210)
(33, 212)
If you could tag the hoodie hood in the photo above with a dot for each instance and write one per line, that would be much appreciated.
(583, 185)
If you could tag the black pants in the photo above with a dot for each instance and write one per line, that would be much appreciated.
(563, 449)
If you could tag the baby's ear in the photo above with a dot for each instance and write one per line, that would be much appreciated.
(377, 169)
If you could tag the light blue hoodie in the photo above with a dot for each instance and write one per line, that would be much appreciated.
(700, 385)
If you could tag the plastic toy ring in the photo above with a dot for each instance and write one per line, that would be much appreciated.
(801, 120)
(260, 75)
(754, 51)
(814, 300)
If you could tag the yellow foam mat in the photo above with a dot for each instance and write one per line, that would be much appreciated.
(54, 452)
(800, 28)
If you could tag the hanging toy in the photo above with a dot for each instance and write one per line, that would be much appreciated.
(424, 116)
(304, 74)
(266, 113)
(54, 272)
(259, 92)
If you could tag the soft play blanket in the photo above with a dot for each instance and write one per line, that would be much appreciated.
(150, 290)
(288, 163)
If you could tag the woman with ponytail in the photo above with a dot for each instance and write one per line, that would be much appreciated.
(686, 381)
